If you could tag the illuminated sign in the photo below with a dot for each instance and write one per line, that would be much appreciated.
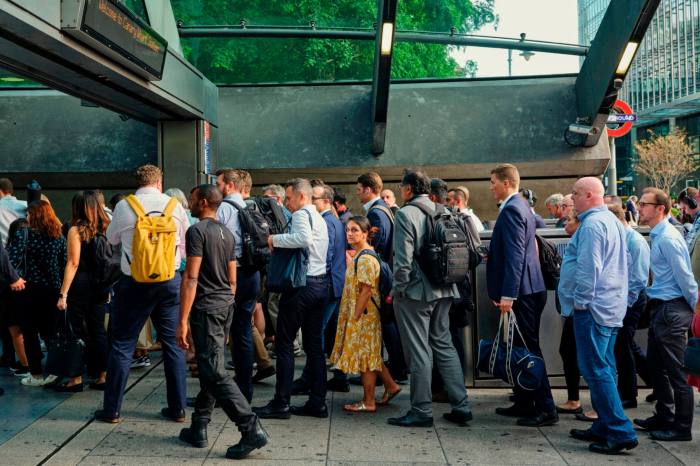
(117, 32)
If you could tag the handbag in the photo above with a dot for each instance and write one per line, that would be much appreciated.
(512, 364)
(287, 267)
(65, 352)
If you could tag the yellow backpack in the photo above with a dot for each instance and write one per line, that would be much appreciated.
(153, 247)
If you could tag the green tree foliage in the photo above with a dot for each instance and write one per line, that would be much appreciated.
(283, 60)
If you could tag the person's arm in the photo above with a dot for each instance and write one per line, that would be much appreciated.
(188, 291)
(72, 262)
(183, 226)
(515, 247)
(639, 259)
(302, 236)
(116, 226)
(9, 272)
(404, 248)
(676, 255)
(232, 275)
(589, 264)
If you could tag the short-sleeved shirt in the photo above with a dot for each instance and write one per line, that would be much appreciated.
(41, 259)
(214, 243)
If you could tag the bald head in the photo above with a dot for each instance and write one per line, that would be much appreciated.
(588, 192)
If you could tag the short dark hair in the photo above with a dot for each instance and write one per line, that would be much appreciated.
(114, 200)
(438, 188)
(231, 175)
(6, 185)
(327, 192)
(371, 180)
(362, 222)
(660, 198)
(210, 193)
(417, 180)
(340, 198)
(617, 210)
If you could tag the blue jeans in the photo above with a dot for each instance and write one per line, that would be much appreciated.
(247, 287)
(133, 304)
(595, 347)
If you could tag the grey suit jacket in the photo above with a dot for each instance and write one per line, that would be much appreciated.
(410, 227)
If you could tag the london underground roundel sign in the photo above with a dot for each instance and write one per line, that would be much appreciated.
(623, 117)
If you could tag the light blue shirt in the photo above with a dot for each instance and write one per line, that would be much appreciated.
(228, 215)
(10, 210)
(594, 269)
(670, 266)
(638, 259)
(694, 230)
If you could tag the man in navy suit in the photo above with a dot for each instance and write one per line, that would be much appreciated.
(368, 189)
(335, 269)
(515, 284)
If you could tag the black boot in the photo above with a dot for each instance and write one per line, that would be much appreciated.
(196, 434)
(251, 440)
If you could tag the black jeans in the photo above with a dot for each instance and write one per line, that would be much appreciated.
(247, 287)
(209, 328)
(86, 314)
(528, 311)
(38, 306)
(668, 334)
(567, 350)
(302, 308)
(392, 343)
(627, 352)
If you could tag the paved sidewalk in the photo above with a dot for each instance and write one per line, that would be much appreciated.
(56, 429)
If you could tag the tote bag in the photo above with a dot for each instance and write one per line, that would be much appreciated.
(287, 268)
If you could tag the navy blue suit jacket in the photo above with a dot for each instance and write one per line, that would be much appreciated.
(513, 266)
(381, 241)
(335, 258)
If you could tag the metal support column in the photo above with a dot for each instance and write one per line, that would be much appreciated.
(612, 169)
(186, 153)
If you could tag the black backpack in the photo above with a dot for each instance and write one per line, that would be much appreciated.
(255, 230)
(550, 262)
(273, 212)
(107, 262)
(444, 258)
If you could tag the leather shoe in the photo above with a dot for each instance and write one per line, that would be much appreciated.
(177, 415)
(410, 420)
(516, 411)
(586, 435)
(273, 410)
(338, 385)
(607, 448)
(103, 416)
(264, 373)
(652, 423)
(458, 417)
(561, 410)
(540, 420)
(671, 435)
(299, 387)
(310, 411)
(651, 397)
(196, 434)
(629, 404)
(252, 440)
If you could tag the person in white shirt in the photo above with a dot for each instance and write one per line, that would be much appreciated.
(458, 198)
(301, 308)
(135, 302)
(10, 208)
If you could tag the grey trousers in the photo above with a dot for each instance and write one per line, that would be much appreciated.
(668, 338)
(425, 337)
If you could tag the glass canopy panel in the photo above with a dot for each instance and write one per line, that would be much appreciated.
(338, 13)
(264, 60)
(465, 16)
(138, 7)
(11, 80)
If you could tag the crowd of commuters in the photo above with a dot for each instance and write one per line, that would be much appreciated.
(205, 289)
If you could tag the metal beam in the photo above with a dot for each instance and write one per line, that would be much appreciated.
(384, 48)
(601, 75)
(308, 32)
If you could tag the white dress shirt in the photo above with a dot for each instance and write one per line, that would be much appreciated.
(301, 235)
(121, 229)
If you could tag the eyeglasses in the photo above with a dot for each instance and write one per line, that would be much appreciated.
(314, 198)
(642, 204)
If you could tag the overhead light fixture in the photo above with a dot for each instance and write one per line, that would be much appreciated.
(527, 54)
(626, 59)
(387, 36)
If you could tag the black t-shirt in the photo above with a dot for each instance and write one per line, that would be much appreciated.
(214, 243)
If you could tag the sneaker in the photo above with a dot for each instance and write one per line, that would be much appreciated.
(143, 361)
(31, 381)
(23, 371)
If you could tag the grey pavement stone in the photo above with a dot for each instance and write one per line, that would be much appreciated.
(137, 460)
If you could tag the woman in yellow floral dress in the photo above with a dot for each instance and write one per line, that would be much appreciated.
(358, 341)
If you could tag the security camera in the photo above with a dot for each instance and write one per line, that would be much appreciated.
(617, 83)
(582, 129)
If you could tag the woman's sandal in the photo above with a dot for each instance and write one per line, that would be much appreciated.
(359, 407)
(387, 397)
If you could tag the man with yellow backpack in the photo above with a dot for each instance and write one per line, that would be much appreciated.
(151, 228)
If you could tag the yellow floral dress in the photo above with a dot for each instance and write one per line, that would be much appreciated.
(358, 343)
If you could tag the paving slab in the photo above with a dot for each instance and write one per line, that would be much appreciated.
(137, 460)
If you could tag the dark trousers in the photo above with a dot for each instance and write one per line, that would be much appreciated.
(86, 313)
(302, 309)
(528, 311)
(133, 304)
(392, 343)
(247, 286)
(209, 328)
(627, 352)
(38, 304)
(8, 349)
(567, 351)
(668, 334)
(330, 311)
